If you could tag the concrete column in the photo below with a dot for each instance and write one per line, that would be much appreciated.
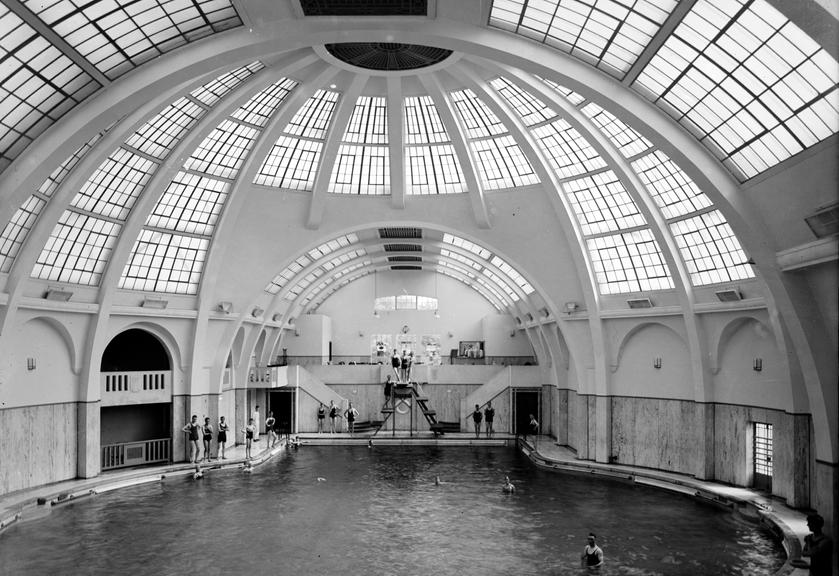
(180, 450)
(241, 413)
(824, 500)
(801, 462)
(562, 417)
(704, 427)
(88, 462)
(603, 428)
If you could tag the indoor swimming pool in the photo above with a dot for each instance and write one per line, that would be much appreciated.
(355, 510)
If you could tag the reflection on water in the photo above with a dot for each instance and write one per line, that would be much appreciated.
(378, 511)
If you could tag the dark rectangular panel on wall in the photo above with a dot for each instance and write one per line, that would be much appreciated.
(364, 7)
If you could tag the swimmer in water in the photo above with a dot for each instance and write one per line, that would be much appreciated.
(321, 479)
(437, 481)
(198, 473)
(508, 486)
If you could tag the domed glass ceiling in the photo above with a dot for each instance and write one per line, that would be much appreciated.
(742, 78)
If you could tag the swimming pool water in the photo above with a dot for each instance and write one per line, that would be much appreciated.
(378, 511)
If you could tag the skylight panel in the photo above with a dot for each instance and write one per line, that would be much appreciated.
(497, 283)
(628, 141)
(673, 190)
(223, 151)
(77, 250)
(15, 232)
(117, 37)
(466, 245)
(312, 120)
(333, 245)
(287, 274)
(569, 94)
(342, 259)
(213, 91)
(361, 170)
(461, 258)
(112, 190)
(752, 86)
(502, 164)
(368, 123)
(39, 85)
(602, 204)
(159, 135)
(258, 110)
(162, 262)
(568, 152)
(433, 170)
(630, 262)
(422, 122)
(710, 249)
(513, 274)
(478, 120)
(608, 34)
(292, 164)
(530, 109)
(191, 204)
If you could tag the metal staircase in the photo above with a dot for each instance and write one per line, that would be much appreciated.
(401, 395)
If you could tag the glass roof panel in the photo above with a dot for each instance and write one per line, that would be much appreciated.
(39, 85)
(191, 204)
(764, 92)
(609, 34)
(478, 120)
(530, 109)
(467, 245)
(513, 274)
(422, 122)
(568, 152)
(77, 250)
(291, 163)
(287, 274)
(223, 150)
(368, 122)
(630, 262)
(673, 190)
(628, 141)
(112, 190)
(493, 283)
(312, 120)
(433, 170)
(215, 90)
(118, 36)
(461, 258)
(159, 135)
(333, 245)
(710, 249)
(163, 262)
(602, 204)
(361, 170)
(258, 110)
(502, 164)
(572, 96)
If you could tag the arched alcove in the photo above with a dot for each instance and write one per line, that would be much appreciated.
(652, 362)
(135, 350)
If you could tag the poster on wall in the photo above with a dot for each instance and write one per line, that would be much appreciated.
(380, 348)
(431, 349)
(406, 343)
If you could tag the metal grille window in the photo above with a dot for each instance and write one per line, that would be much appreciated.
(763, 449)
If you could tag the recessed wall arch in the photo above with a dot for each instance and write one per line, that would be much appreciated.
(632, 332)
(723, 336)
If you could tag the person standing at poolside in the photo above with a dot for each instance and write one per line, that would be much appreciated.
(270, 425)
(207, 433)
(532, 427)
(818, 547)
(351, 414)
(321, 417)
(395, 363)
(333, 414)
(222, 437)
(489, 417)
(477, 417)
(592, 557)
(249, 433)
(256, 421)
(192, 428)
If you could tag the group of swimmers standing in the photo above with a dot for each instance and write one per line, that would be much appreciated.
(335, 413)
(205, 432)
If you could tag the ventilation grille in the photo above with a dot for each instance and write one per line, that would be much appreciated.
(364, 7)
(640, 303)
(400, 233)
(825, 222)
(729, 296)
(387, 56)
(404, 259)
(406, 267)
(403, 248)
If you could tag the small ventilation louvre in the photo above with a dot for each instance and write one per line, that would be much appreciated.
(404, 259)
(406, 267)
(364, 7)
(825, 222)
(400, 233)
(729, 295)
(640, 303)
(403, 248)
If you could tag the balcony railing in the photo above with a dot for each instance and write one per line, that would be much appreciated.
(444, 360)
(136, 453)
(118, 388)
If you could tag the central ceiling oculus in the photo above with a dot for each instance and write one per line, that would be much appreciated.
(388, 56)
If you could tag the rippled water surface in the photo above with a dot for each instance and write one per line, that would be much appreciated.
(378, 511)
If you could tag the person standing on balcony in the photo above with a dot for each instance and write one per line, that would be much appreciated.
(207, 435)
(222, 437)
(395, 363)
(192, 428)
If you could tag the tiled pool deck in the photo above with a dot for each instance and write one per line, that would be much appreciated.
(34, 503)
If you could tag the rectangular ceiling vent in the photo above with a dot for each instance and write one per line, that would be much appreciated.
(403, 248)
(825, 222)
(406, 267)
(404, 259)
(364, 7)
(729, 295)
(402, 233)
(640, 303)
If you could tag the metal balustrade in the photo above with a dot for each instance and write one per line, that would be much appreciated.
(136, 453)
(154, 384)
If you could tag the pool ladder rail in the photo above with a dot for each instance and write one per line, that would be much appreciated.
(400, 393)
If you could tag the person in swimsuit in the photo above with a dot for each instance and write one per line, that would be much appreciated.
(321, 417)
(395, 363)
(489, 416)
(533, 427)
(222, 437)
(192, 429)
(333, 414)
(207, 433)
(509, 487)
(477, 417)
(350, 413)
(388, 389)
(592, 557)
(270, 427)
(404, 364)
(256, 421)
(249, 433)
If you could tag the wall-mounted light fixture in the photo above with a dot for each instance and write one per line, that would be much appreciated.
(296, 332)
(450, 334)
(360, 334)
(57, 294)
(30, 364)
(512, 333)
(225, 307)
(757, 366)
(657, 363)
(277, 317)
(571, 307)
(156, 303)
(257, 312)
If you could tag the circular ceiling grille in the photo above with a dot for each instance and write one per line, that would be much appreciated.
(387, 56)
